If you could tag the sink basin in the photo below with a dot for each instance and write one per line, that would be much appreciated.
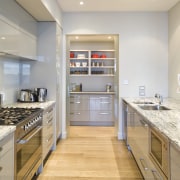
(153, 107)
(143, 102)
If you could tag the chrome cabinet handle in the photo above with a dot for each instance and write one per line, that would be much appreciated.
(143, 123)
(143, 163)
(26, 140)
(49, 139)
(156, 174)
(105, 102)
(75, 113)
(75, 102)
(104, 113)
(49, 121)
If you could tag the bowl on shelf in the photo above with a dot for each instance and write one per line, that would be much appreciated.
(95, 56)
(78, 64)
(103, 56)
(81, 56)
(84, 64)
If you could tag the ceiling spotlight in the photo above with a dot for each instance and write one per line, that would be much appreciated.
(3, 38)
(77, 37)
(109, 37)
(81, 3)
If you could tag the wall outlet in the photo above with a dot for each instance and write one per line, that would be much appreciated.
(142, 91)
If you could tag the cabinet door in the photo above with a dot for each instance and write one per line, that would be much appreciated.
(79, 104)
(104, 116)
(79, 116)
(27, 45)
(100, 103)
(130, 126)
(175, 162)
(9, 38)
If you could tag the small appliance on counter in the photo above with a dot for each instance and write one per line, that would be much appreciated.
(42, 94)
(27, 95)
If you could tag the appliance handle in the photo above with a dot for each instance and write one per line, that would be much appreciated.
(143, 163)
(26, 140)
(156, 174)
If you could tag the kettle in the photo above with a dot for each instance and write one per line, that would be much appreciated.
(41, 94)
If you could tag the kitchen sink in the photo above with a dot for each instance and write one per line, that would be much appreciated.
(143, 102)
(153, 107)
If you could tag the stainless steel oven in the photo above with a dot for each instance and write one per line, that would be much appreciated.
(159, 150)
(29, 154)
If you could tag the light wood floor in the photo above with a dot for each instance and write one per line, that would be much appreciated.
(90, 153)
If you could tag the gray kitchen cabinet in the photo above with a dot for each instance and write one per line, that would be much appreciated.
(15, 41)
(91, 110)
(138, 142)
(174, 162)
(48, 130)
(101, 109)
(79, 109)
(7, 158)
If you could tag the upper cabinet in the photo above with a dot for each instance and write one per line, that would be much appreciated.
(92, 62)
(15, 41)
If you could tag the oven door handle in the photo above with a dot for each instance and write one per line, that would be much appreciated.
(26, 140)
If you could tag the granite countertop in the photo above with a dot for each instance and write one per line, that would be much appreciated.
(42, 105)
(166, 121)
(93, 92)
(6, 130)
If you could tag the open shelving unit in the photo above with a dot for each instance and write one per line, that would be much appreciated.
(84, 62)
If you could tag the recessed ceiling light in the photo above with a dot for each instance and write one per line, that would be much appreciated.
(77, 37)
(109, 37)
(3, 38)
(81, 3)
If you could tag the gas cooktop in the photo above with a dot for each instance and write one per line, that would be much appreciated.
(13, 116)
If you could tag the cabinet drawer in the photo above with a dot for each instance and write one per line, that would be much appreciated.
(7, 166)
(48, 122)
(79, 116)
(48, 114)
(79, 104)
(6, 144)
(47, 130)
(101, 103)
(101, 116)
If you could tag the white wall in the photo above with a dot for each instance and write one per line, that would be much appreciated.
(143, 47)
(174, 50)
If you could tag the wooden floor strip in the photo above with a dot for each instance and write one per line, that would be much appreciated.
(91, 153)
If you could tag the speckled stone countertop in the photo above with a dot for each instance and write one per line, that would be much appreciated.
(42, 105)
(166, 121)
(6, 130)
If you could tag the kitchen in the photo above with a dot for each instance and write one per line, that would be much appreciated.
(143, 41)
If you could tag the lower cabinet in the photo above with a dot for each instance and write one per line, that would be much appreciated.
(91, 110)
(7, 158)
(174, 162)
(48, 130)
(138, 142)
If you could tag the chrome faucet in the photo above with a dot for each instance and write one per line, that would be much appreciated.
(159, 97)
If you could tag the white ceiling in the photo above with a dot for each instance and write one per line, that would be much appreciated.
(116, 5)
(40, 13)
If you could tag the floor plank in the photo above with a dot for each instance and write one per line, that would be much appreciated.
(91, 153)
